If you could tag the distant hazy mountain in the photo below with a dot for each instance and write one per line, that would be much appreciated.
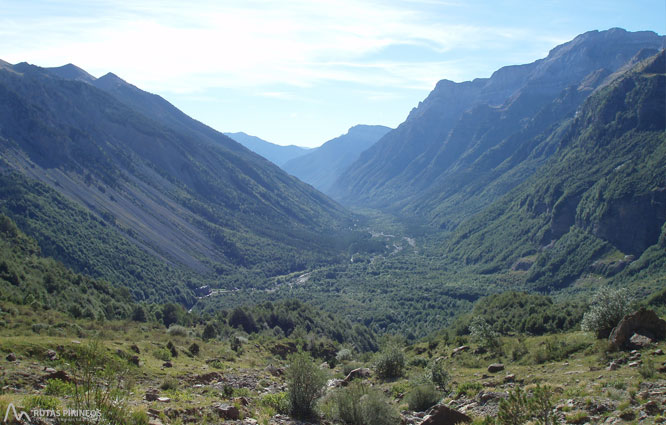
(277, 154)
(322, 166)
(118, 183)
(468, 143)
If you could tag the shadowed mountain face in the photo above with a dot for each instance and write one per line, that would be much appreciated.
(278, 155)
(322, 166)
(141, 173)
(469, 143)
(600, 195)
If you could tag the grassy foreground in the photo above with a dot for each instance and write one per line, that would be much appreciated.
(141, 373)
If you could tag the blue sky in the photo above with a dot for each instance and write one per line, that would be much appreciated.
(301, 72)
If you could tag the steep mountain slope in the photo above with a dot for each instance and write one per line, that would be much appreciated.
(469, 143)
(324, 165)
(597, 204)
(26, 277)
(278, 155)
(185, 194)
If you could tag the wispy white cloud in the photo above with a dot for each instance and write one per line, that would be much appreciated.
(185, 47)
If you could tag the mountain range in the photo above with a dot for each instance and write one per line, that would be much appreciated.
(277, 154)
(324, 165)
(545, 177)
(118, 183)
(467, 143)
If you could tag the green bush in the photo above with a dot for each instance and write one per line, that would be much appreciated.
(169, 383)
(470, 389)
(209, 332)
(344, 355)
(358, 404)
(162, 354)
(607, 308)
(277, 401)
(390, 363)
(438, 374)
(305, 382)
(484, 335)
(423, 397)
(58, 387)
(647, 369)
(41, 402)
(177, 330)
(376, 410)
(520, 407)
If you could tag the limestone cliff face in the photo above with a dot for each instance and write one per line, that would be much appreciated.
(633, 223)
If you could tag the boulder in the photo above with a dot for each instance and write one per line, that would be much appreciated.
(152, 394)
(226, 411)
(640, 341)
(643, 322)
(284, 348)
(61, 374)
(361, 372)
(444, 415)
(459, 350)
(495, 367)
(274, 370)
(135, 360)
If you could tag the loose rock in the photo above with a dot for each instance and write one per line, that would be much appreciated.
(443, 415)
(495, 367)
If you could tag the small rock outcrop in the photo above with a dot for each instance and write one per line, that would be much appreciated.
(495, 367)
(226, 411)
(444, 415)
(643, 323)
(459, 350)
(361, 372)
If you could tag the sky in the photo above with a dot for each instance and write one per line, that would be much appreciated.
(302, 71)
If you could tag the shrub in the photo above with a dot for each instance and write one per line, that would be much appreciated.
(390, 363)
(484, 335)
(607, 308)
(276, 401)
(172, 349)
(376, 410)
(209, 332)
(344, 355)
(358, 404)
(162, 354)
(438, 375)
(469, 389)
(58, 387)
(520, 407)
(647, 369)
(305, 382)
(170, 383)
(422, 397)
(194, 349)
(104, 383)
(177, 330)
(139, 314)
(41, 402)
